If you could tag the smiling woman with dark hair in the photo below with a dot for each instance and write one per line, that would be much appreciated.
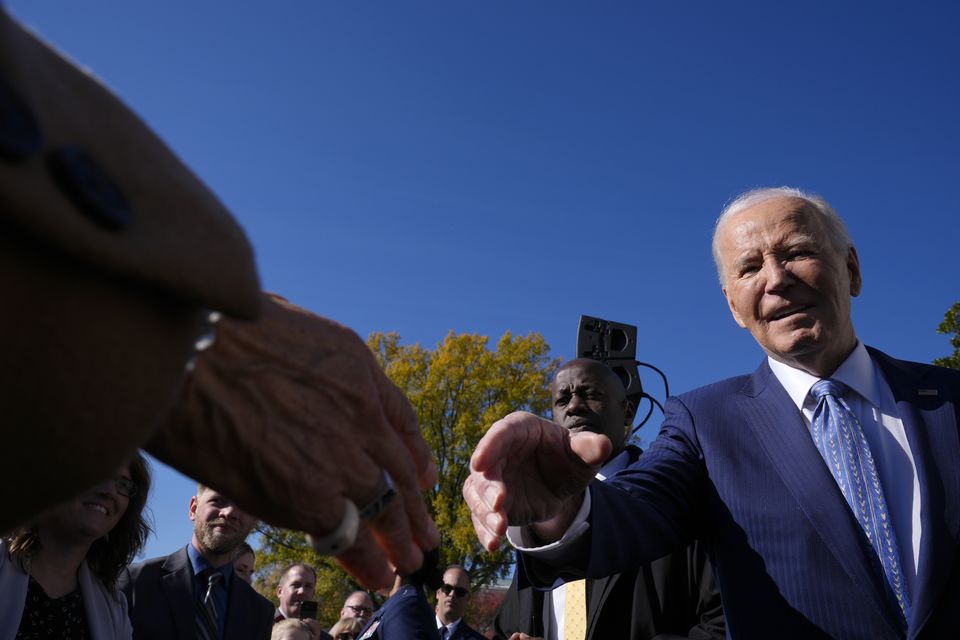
(58, 574)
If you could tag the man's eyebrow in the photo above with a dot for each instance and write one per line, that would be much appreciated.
(804, 240)
(744, 259)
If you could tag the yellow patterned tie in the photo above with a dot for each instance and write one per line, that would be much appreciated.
(575, 611)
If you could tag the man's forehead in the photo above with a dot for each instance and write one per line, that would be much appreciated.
(298, 573)
(773, 213)
(585, 373)
(455, 576)
(780, 222)
(208, 495)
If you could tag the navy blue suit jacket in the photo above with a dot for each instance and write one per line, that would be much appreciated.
(406, 615)
(734, 466)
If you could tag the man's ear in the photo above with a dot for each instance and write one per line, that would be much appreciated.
(853, 268)
(630, 412)
(193, 508)
(733, 310)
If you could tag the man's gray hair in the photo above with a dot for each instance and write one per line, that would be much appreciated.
(839, 236)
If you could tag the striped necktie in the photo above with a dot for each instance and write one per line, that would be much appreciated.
(840, 440)
(575, 610)
(207, 627)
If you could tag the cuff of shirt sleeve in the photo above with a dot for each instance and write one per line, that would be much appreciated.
(522, 539)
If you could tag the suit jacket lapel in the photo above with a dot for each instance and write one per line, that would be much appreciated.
(783, 435)
(177, 586)
(597, 593)
(930, 423)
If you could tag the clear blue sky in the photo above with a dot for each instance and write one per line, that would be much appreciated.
(506, 166)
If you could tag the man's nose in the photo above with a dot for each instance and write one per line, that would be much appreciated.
(776, 275)
(575, 405)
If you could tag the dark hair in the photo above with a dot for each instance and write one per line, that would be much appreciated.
(107, 556)
(244, 548)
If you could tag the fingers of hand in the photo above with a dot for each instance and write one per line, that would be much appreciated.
(400, 416)
(367, 562)
(391, 530)
(405, 527)
(592, 448)
(508, 437)
(488, 522)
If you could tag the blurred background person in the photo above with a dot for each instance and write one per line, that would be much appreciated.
(359, 605)
(452, 597)
(346, 629)
(58, 574)
(291, 629)
(244, 564)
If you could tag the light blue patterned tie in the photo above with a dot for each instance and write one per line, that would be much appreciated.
(839, 437)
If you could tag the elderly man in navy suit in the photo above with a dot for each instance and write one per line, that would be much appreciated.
(825, 486)
(193, 593)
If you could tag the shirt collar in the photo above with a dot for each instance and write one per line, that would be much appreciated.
(451, 626)
(856, 372)
(199, 563)
(613, 465)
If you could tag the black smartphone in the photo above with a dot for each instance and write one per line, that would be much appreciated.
(308, 609)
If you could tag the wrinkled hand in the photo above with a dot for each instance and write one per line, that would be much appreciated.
(523, 636)
(290, 416)
(528, 471)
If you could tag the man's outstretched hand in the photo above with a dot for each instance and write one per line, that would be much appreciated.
(528, 471)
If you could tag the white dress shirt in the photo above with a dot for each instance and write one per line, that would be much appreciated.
(872, 401)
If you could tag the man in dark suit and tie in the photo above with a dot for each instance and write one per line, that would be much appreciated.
(825, 486)
(193, 593)
(674, 594)
(452, 598)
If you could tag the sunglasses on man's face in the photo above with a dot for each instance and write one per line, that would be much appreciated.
(457, 591)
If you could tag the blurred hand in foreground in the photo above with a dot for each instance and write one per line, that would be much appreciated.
(291, 416)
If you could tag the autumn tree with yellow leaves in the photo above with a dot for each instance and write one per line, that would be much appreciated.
(457, 391)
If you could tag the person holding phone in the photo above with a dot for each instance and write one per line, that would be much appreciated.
(296, 592)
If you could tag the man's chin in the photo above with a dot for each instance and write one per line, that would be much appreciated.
(220, 544)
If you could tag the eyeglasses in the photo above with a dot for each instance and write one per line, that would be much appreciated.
(126, 487)
(358, 609)
(457, 591)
